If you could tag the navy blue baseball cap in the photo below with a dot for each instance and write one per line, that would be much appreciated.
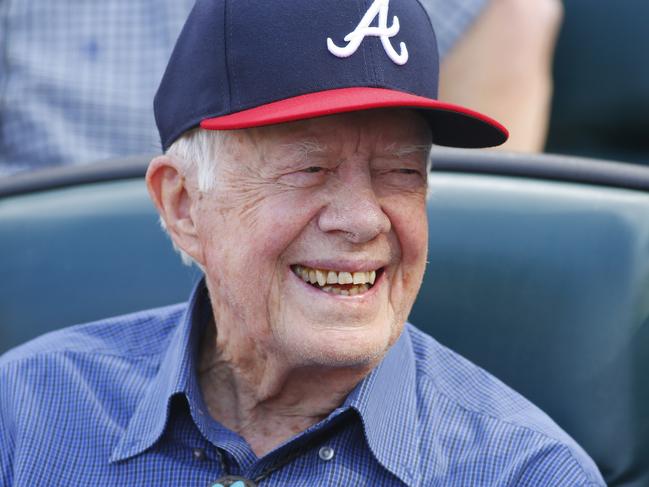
(249, 63)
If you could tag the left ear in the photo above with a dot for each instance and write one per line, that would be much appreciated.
(168, 189)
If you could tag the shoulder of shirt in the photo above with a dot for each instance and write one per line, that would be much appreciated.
(143, 333)
(472, 390)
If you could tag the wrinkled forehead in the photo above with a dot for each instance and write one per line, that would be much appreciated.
(373, 129)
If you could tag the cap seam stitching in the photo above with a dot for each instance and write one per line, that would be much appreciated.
(232, 93)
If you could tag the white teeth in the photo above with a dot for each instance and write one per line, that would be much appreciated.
(345, 278)
(332, 277)
(361, 280)
(360, 277)
(321, 277)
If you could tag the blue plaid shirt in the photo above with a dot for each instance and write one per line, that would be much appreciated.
(117, 403)
(77, 78)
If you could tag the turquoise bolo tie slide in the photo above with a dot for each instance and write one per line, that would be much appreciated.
(233, 481)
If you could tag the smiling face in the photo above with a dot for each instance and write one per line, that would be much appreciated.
(314, 238)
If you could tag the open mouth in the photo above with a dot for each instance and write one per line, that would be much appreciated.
(338, 282)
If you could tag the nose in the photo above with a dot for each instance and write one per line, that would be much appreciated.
(353, 211)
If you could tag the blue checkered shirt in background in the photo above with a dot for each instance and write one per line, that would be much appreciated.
(77, 78)
(117, 403)
(450, 19)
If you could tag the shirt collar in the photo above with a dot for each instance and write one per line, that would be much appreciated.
(175, 375)
(385, 400)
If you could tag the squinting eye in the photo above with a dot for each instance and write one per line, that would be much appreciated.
(304, 178)
(407, 171)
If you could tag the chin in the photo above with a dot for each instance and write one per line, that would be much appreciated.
(346, 347)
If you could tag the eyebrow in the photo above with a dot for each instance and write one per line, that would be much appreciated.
(309, 146)
(405, 150)
(299, 152)
(302, 149)
(305, 147)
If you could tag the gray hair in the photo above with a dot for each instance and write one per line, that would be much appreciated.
(197, 151)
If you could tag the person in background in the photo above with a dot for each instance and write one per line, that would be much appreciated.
(502, 64)
(76, 77)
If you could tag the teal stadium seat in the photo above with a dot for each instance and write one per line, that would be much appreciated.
(538, 271)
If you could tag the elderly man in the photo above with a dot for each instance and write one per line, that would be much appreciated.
(296, 138)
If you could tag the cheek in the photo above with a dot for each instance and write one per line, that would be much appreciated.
(253, 240)
(279, 227)
(410, 225)
(415, 246)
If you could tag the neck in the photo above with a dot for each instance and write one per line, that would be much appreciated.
(262, 399)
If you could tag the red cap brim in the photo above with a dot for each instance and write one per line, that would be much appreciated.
(451, 125)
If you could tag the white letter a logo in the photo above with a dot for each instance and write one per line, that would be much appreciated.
(354, 38)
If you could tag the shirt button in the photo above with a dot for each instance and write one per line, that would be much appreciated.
(199, 454)
(326, 453)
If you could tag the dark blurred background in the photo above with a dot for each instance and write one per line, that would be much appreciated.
(601, 99)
